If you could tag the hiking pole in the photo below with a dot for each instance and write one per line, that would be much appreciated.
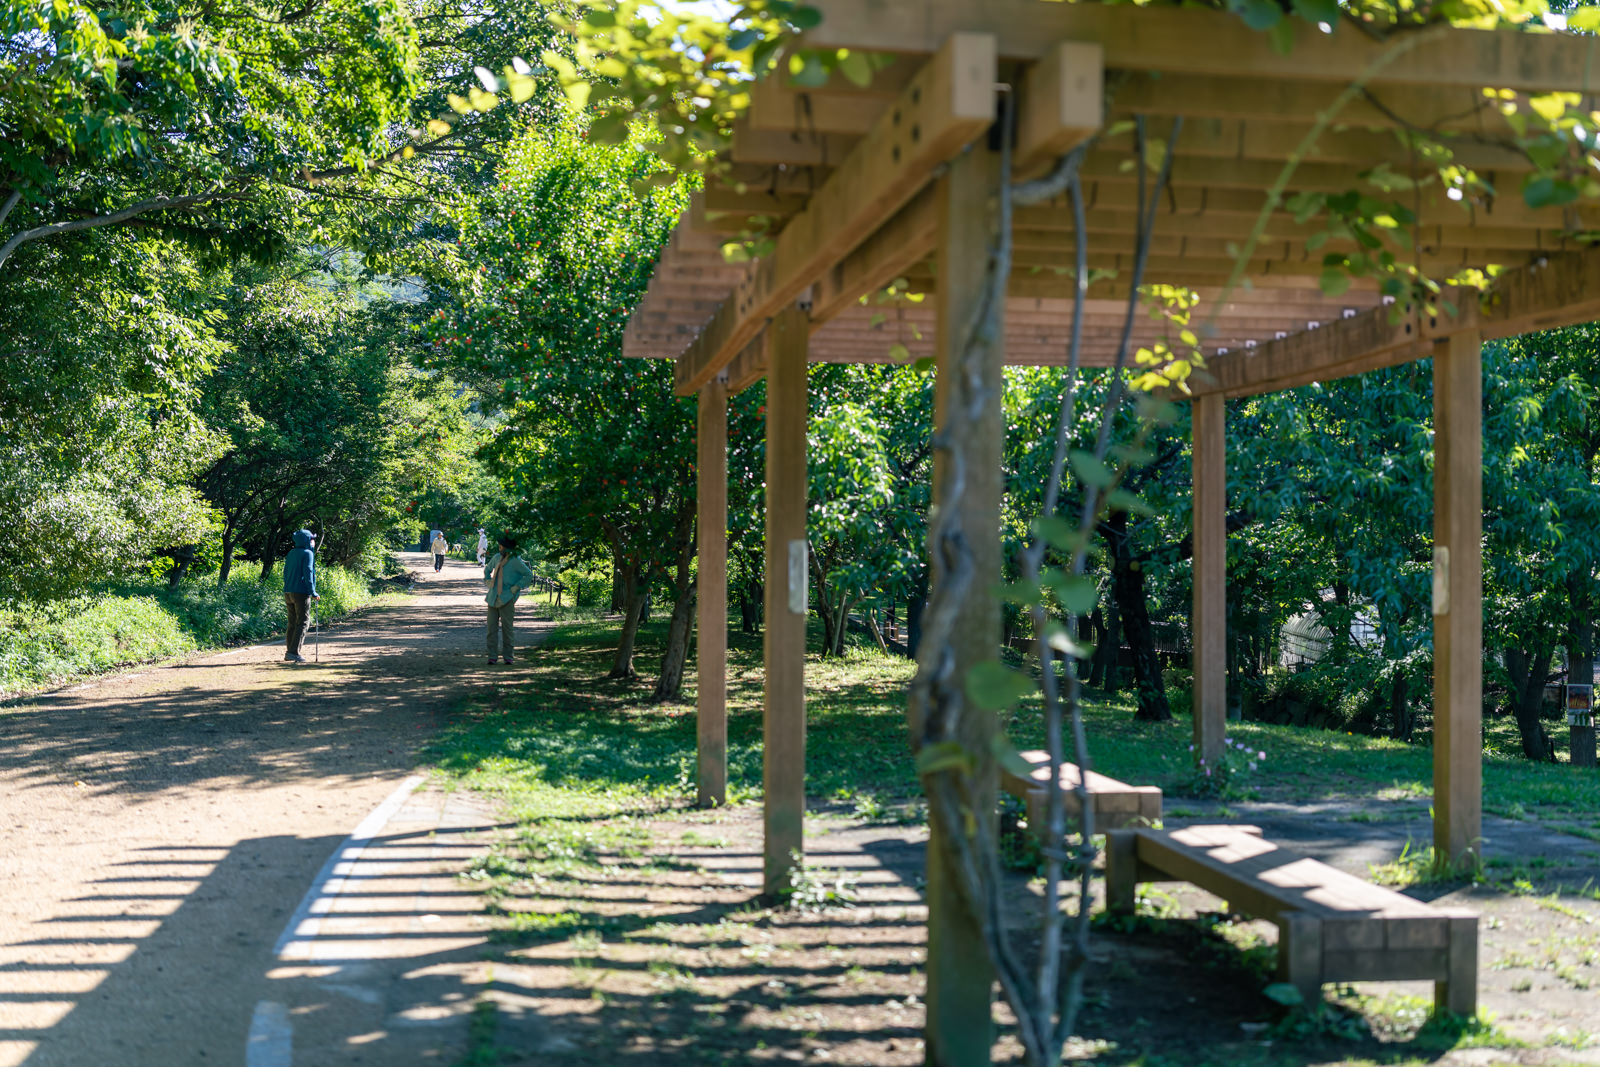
(316, 633)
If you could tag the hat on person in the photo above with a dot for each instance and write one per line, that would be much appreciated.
(508, 541)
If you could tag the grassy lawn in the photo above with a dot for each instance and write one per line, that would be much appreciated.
(568, 740)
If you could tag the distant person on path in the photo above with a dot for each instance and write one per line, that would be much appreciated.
(299, 589)
(440, 547)
(506, 576)
(483, 547)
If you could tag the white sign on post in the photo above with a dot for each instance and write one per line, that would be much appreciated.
(1441, 580)
(797, 576)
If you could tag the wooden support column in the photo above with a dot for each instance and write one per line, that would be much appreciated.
(711, 654)
(1210, 620)
(960, 1021)
(1458, 596)
(783, 721)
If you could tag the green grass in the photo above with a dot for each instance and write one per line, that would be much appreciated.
(46, 645)
(568, 741)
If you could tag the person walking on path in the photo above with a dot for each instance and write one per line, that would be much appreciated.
(299, 589)
(506, 576)
(483, 547)
(440, 546)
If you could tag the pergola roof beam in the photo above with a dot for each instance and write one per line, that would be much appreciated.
(947, 104)
(1199, 41)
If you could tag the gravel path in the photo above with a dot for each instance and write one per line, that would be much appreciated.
(159, 828)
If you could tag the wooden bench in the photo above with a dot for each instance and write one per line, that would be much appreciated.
(1115, 804)
(1332, 926)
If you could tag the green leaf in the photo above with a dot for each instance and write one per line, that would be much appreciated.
(811, 74)
(1010, 758)
(1020, 592)
(943, 756)
(1333, 281)
(857, 66)
(1091, 469)
(1056, 531)
(1077, 593)
(1281, 36)
(993, 686)
(1545, 191)
(1057, 637)
(1315, 11)
(1257, 14)
(1586, 19)
(1122, 500)
(1283, 993)
(805, 18)
(899, 353)
(738, 42)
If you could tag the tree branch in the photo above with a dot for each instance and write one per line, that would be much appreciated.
(132, 211)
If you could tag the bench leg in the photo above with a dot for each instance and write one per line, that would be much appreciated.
(1122, 871)
(1300, 955)
(1458, 993)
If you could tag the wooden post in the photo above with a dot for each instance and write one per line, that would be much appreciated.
(1210, 621)
(1457, 596)
(960, 1021)
(783, 720)
(711, 655)
(1581, 746)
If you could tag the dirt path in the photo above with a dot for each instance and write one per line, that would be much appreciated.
(158, 829)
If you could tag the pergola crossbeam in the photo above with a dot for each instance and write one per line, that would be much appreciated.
(947, 104)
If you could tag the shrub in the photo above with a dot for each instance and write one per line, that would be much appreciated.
(41, 645)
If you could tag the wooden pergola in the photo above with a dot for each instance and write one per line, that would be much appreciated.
(899, 180)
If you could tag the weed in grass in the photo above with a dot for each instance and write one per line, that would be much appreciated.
(1554, 903)
(1424, 866)
(819, 888)
(695, 839)
(481, 1029)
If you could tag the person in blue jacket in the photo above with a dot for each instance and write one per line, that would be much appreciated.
(299, 589)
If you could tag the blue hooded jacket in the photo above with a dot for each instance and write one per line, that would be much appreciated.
(300, 567)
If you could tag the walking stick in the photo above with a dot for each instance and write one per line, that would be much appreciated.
(316, 634)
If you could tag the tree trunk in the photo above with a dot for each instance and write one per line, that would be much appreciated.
(877, 634)
(670, 685)
(1094, 674)
(843, 628)
(225, 566)
(632, 609)
(619, 592)
(1580, 643)
(1528, 671)
(750, 594)
(182, 559)
(1399, 709)
(914, 606)
(1127, 584)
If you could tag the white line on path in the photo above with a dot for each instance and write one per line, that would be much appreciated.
(271, 1040)
(295, 942)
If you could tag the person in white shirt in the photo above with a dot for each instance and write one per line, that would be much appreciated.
(483, 547)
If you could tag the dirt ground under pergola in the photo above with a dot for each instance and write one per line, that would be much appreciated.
(675, 962)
